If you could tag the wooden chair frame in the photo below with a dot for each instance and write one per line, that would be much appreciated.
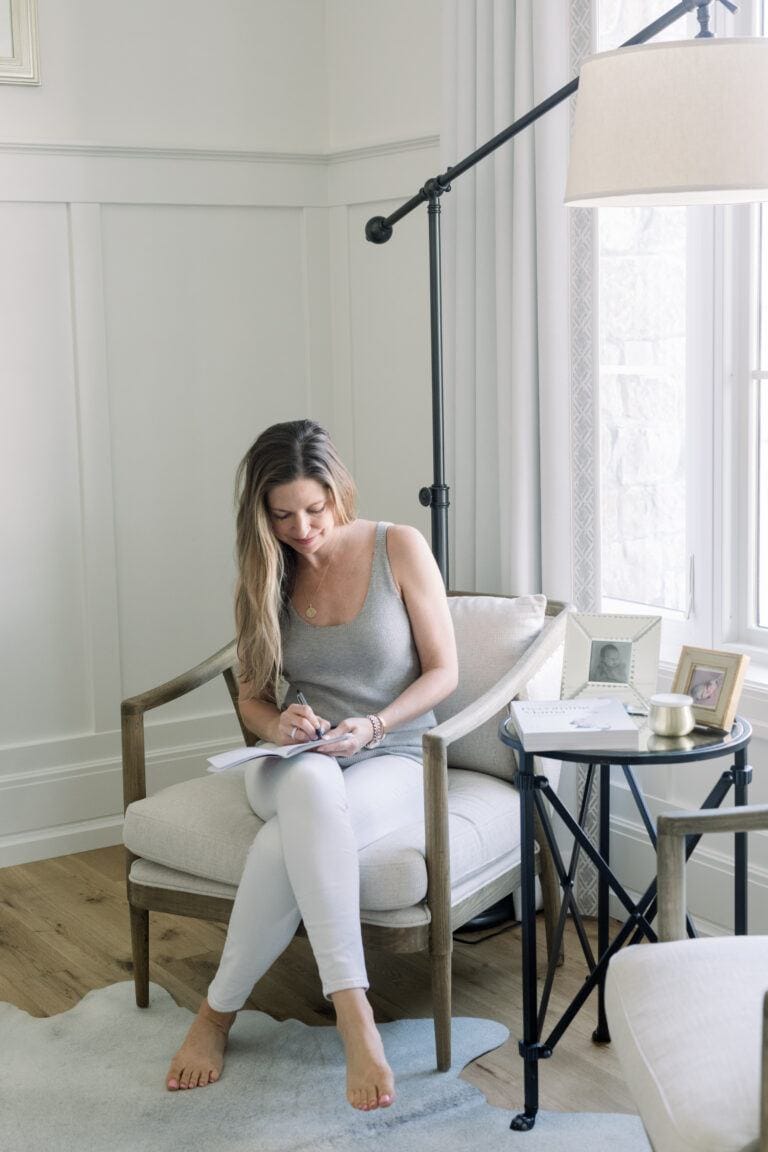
(435, 937)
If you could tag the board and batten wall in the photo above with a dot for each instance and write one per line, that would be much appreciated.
(182, 204)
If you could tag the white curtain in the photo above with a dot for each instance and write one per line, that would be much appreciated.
(506, 299)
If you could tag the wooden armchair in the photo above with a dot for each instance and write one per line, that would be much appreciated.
(688, 1017)
(186, 844)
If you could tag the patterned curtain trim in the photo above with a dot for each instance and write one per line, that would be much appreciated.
(584, 431)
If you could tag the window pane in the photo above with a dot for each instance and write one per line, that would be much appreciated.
(642, 329)
(641, 349)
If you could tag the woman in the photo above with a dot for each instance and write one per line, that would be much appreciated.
(353, 615)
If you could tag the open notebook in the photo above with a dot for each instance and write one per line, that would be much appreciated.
(235, 756)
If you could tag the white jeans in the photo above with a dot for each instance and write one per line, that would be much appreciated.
(303, 865)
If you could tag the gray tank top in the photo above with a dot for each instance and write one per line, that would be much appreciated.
(359, 667)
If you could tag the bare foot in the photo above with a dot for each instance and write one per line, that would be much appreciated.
(370, 1083)
(200, 1059)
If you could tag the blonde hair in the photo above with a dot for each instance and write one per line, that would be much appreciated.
(295, 450)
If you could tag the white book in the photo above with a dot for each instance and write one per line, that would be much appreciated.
(600, 723)
(224, 760)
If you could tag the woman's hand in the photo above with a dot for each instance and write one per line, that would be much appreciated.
(347, 738)
(298, 724)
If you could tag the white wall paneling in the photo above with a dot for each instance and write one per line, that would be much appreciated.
(160, 307)
(93, 423)
(390, 365)
(43, 675)
(206, 344)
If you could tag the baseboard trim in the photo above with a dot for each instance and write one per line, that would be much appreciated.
(56, 810)
(63, 840)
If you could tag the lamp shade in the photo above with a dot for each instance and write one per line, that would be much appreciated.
(680, 122)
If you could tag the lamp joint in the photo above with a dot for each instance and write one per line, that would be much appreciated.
(438, 496)
(433, 188)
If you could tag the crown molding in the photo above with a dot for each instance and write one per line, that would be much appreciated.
(220, 155)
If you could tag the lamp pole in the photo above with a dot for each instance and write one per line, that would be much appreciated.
(379, 230)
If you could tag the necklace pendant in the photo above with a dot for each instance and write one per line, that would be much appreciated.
(310, 612)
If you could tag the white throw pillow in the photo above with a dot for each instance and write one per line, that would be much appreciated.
(492, 633)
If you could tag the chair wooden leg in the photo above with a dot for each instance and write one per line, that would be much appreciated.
(140, 949)
(441, 1007)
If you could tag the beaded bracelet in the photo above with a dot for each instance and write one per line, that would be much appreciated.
(377, 724)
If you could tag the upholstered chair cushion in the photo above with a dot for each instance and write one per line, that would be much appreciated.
(492, 633)
(686, 1021)
(204, 827)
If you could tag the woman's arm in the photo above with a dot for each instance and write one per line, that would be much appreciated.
(421, 586)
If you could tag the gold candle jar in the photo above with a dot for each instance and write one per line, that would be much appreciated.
(671, 714)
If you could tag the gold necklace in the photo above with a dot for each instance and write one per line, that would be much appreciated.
(310, 612)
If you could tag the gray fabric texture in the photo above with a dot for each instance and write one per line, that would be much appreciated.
(357, 668)
(92, 1080)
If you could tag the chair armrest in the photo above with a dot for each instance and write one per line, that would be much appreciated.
(672, 830)
(132, 714)
(193, 678)
(436, 743)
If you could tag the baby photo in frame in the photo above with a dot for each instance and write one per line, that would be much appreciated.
(714, 681)
(611, 655)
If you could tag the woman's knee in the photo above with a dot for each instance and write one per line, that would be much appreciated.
(313, 778)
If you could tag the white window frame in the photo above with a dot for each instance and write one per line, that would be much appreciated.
(736, 599)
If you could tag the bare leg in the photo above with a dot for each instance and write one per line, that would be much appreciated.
(370, 1083)
(200, 1059)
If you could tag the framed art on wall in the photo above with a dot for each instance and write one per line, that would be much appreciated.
(714, 681)
(611, 655)
(18, 42)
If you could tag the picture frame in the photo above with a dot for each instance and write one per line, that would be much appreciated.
(19, 55)
(611, 655)
(714, 680)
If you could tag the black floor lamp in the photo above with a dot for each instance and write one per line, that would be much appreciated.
(662, 125)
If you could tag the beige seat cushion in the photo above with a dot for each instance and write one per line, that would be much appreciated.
(205, 827)
(686, 1023)
(492, 633)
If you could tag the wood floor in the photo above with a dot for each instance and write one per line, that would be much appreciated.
(64, 931)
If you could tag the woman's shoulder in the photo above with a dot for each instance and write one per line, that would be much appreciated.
(405, 539)
(409, 554)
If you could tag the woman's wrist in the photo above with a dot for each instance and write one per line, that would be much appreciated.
(377, 730)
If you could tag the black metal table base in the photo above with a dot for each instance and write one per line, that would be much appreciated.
(534, 791)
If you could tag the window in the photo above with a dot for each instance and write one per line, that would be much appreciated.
(683, 398)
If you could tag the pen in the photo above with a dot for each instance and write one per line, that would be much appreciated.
(303, 700)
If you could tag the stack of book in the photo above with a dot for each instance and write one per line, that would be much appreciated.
(597, 723)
